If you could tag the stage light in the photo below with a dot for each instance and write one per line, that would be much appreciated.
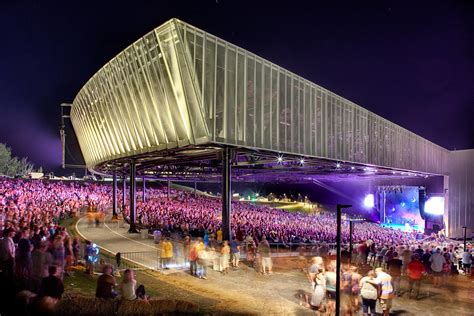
(369, 201)
(302, 161)
(280, 159)
(393, 172)
(435, 205)
(352, 168)
(365, 169)
(402, 204)
(338, 165)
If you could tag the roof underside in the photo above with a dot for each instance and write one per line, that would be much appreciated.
(178, 94)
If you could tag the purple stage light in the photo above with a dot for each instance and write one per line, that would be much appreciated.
(435, 205)
(369, 201)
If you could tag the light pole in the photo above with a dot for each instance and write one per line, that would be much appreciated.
(465, 237)
(338, 256)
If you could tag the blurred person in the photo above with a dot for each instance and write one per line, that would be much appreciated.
(386, 288)
(193, 258)
(369, 291)
(415, 271)
(41, 261)
(265, 253)
(225, 257)
(235, 252)
(395, 270)
(166, 253)
(437, 260)
(466, 261)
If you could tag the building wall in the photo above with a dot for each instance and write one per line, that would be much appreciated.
(461, 193)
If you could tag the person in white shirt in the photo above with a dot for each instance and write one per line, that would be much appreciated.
(7, 253)
(128, 287)
(437, 260)
(466, 261)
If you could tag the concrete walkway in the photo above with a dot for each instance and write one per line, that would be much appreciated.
(245, 291)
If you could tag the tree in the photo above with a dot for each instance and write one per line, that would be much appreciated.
(13, 166)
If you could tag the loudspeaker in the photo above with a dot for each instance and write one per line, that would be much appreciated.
(421, 201)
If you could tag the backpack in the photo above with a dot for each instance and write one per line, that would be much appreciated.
(369, 291)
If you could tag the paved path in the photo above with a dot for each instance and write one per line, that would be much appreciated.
(244, 291)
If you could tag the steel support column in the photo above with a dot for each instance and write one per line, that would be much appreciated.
(124, 192)
(143, 189)
(351, 229)
(465, 237)
(133, 197)
(338, 257)
(114, 196)
(226, 193)
(169, 189)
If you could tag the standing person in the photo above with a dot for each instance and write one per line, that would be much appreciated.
(186, 249)
(331, 280)
(225, 257)
(219, 236)
(106, 283)
(466, 261)
(415, 271)
(52, 285)
(41, 260)
(369, 291)
(406, 258)
(76, 249)
(58, 252)
(235, 250)
(319, 292)
(166, 253)
(203, 261)
(395, 270)
(89, 257)
(7, 252)
(265, 253)
(437, 260)
(386, 294)
(193, 257)
(23, 258)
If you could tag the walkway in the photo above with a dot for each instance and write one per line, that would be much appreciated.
(244, 291)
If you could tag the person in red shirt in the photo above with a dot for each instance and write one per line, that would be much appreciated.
(415, 273)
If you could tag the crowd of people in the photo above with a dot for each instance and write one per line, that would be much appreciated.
(36, 253)
(193, 214)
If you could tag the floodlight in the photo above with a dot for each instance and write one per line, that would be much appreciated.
(369, 201)
(435, 205)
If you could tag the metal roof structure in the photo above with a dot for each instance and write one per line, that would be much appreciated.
(173, 99)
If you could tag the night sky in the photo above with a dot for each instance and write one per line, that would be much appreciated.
(411, 62)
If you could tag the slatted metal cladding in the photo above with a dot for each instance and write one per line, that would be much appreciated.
(179, 86)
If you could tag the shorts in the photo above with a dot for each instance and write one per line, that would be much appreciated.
(437, 274)
(386, 304)
(466, 265)
(267, 262)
